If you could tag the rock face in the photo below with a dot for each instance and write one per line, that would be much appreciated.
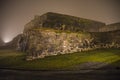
(40, 43)
(109, 39)
(53, 34)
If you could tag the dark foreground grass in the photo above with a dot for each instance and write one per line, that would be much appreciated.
(14, 59)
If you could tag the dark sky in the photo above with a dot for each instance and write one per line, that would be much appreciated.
(16, 13)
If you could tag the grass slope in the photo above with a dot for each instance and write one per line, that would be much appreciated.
(14, 59)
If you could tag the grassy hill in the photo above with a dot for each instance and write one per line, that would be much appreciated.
(80, 60)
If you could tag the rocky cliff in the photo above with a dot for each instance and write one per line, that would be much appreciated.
(54, 34)
(109, 39)
(39, 43)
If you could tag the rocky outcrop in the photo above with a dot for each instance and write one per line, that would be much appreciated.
(54, 34)
(39, 43)
(109, 39)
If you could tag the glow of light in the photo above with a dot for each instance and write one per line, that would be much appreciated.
(6, 40)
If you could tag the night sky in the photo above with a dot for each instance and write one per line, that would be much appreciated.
(16, 13)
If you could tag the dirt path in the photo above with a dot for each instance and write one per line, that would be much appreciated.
(6, 74)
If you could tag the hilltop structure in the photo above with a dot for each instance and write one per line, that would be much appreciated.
(64, 22)
(110, 27)
(53, 34)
